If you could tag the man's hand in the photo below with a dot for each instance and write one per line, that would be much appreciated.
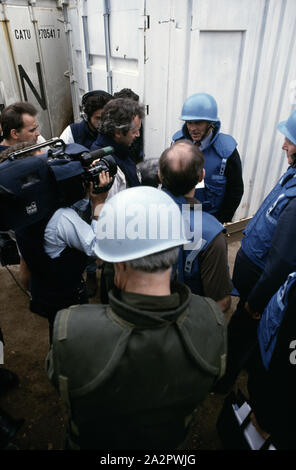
(224, 303)
(104, 180)
(254, 315)
(99, 199)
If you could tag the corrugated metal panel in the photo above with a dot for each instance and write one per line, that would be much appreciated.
(34, 61)
(240, 52)
(88, 45)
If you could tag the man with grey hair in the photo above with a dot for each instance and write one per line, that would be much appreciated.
(149, 172)
(137, 147)
(120, 125)
(131, 373)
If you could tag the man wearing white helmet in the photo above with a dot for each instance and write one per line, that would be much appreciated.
(266, 257)
(223, 181)
(132, 372)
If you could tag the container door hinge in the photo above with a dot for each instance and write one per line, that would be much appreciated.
(144, 22)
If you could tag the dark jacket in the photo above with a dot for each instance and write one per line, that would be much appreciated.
(82, 134)
(54, 283)
(122, 157)
(272, 391)
(132, 373)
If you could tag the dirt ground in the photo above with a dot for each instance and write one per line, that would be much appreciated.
(35, 400)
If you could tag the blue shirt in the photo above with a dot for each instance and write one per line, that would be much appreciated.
(66, 228)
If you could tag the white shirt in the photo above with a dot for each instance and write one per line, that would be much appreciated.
(66, 228)
(67, 136)
(118, 185)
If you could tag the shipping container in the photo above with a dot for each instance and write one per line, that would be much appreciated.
(241, 52)
(34, 61)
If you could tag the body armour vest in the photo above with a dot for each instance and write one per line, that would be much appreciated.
(115, 367)
(260, 230)
(82, 134)
(54, 283)
(188, 270)
(216, 154)
(272, 318)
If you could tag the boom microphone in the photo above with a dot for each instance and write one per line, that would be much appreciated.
(87, 158)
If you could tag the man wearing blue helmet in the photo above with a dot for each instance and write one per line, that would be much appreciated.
(266, 257)
(223, 171)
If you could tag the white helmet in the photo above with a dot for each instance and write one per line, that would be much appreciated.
(137, 222)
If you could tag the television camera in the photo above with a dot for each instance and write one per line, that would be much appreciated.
(32, 186)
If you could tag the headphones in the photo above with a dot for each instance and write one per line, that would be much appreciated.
(88, 95)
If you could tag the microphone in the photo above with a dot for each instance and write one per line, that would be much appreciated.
(88, 157)
(99, 153)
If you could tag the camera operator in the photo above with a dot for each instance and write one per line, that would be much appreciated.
(85, 133)
(19, 124)
(56, 251)
(10, 255)
(8, 249)
(20, 129)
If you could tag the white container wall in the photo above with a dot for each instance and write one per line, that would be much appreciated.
(165, 50)
(241, 52)
(34, 61)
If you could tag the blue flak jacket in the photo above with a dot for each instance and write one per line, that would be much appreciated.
(188, 269)
(82, 134)
(216, 154)
(260, 230)
(272, 318)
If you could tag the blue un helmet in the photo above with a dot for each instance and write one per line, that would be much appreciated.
(288, 128)
(200, 107)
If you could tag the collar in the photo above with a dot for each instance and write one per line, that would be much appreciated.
(206, 141)
(192, 201)
(121, 151)
(150, 311)
(149, 302)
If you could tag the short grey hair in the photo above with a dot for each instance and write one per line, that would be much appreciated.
(149, 172)
(160, 261)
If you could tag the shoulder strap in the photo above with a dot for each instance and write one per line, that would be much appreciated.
(189, 260)
(178, 135)
(224, 145)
